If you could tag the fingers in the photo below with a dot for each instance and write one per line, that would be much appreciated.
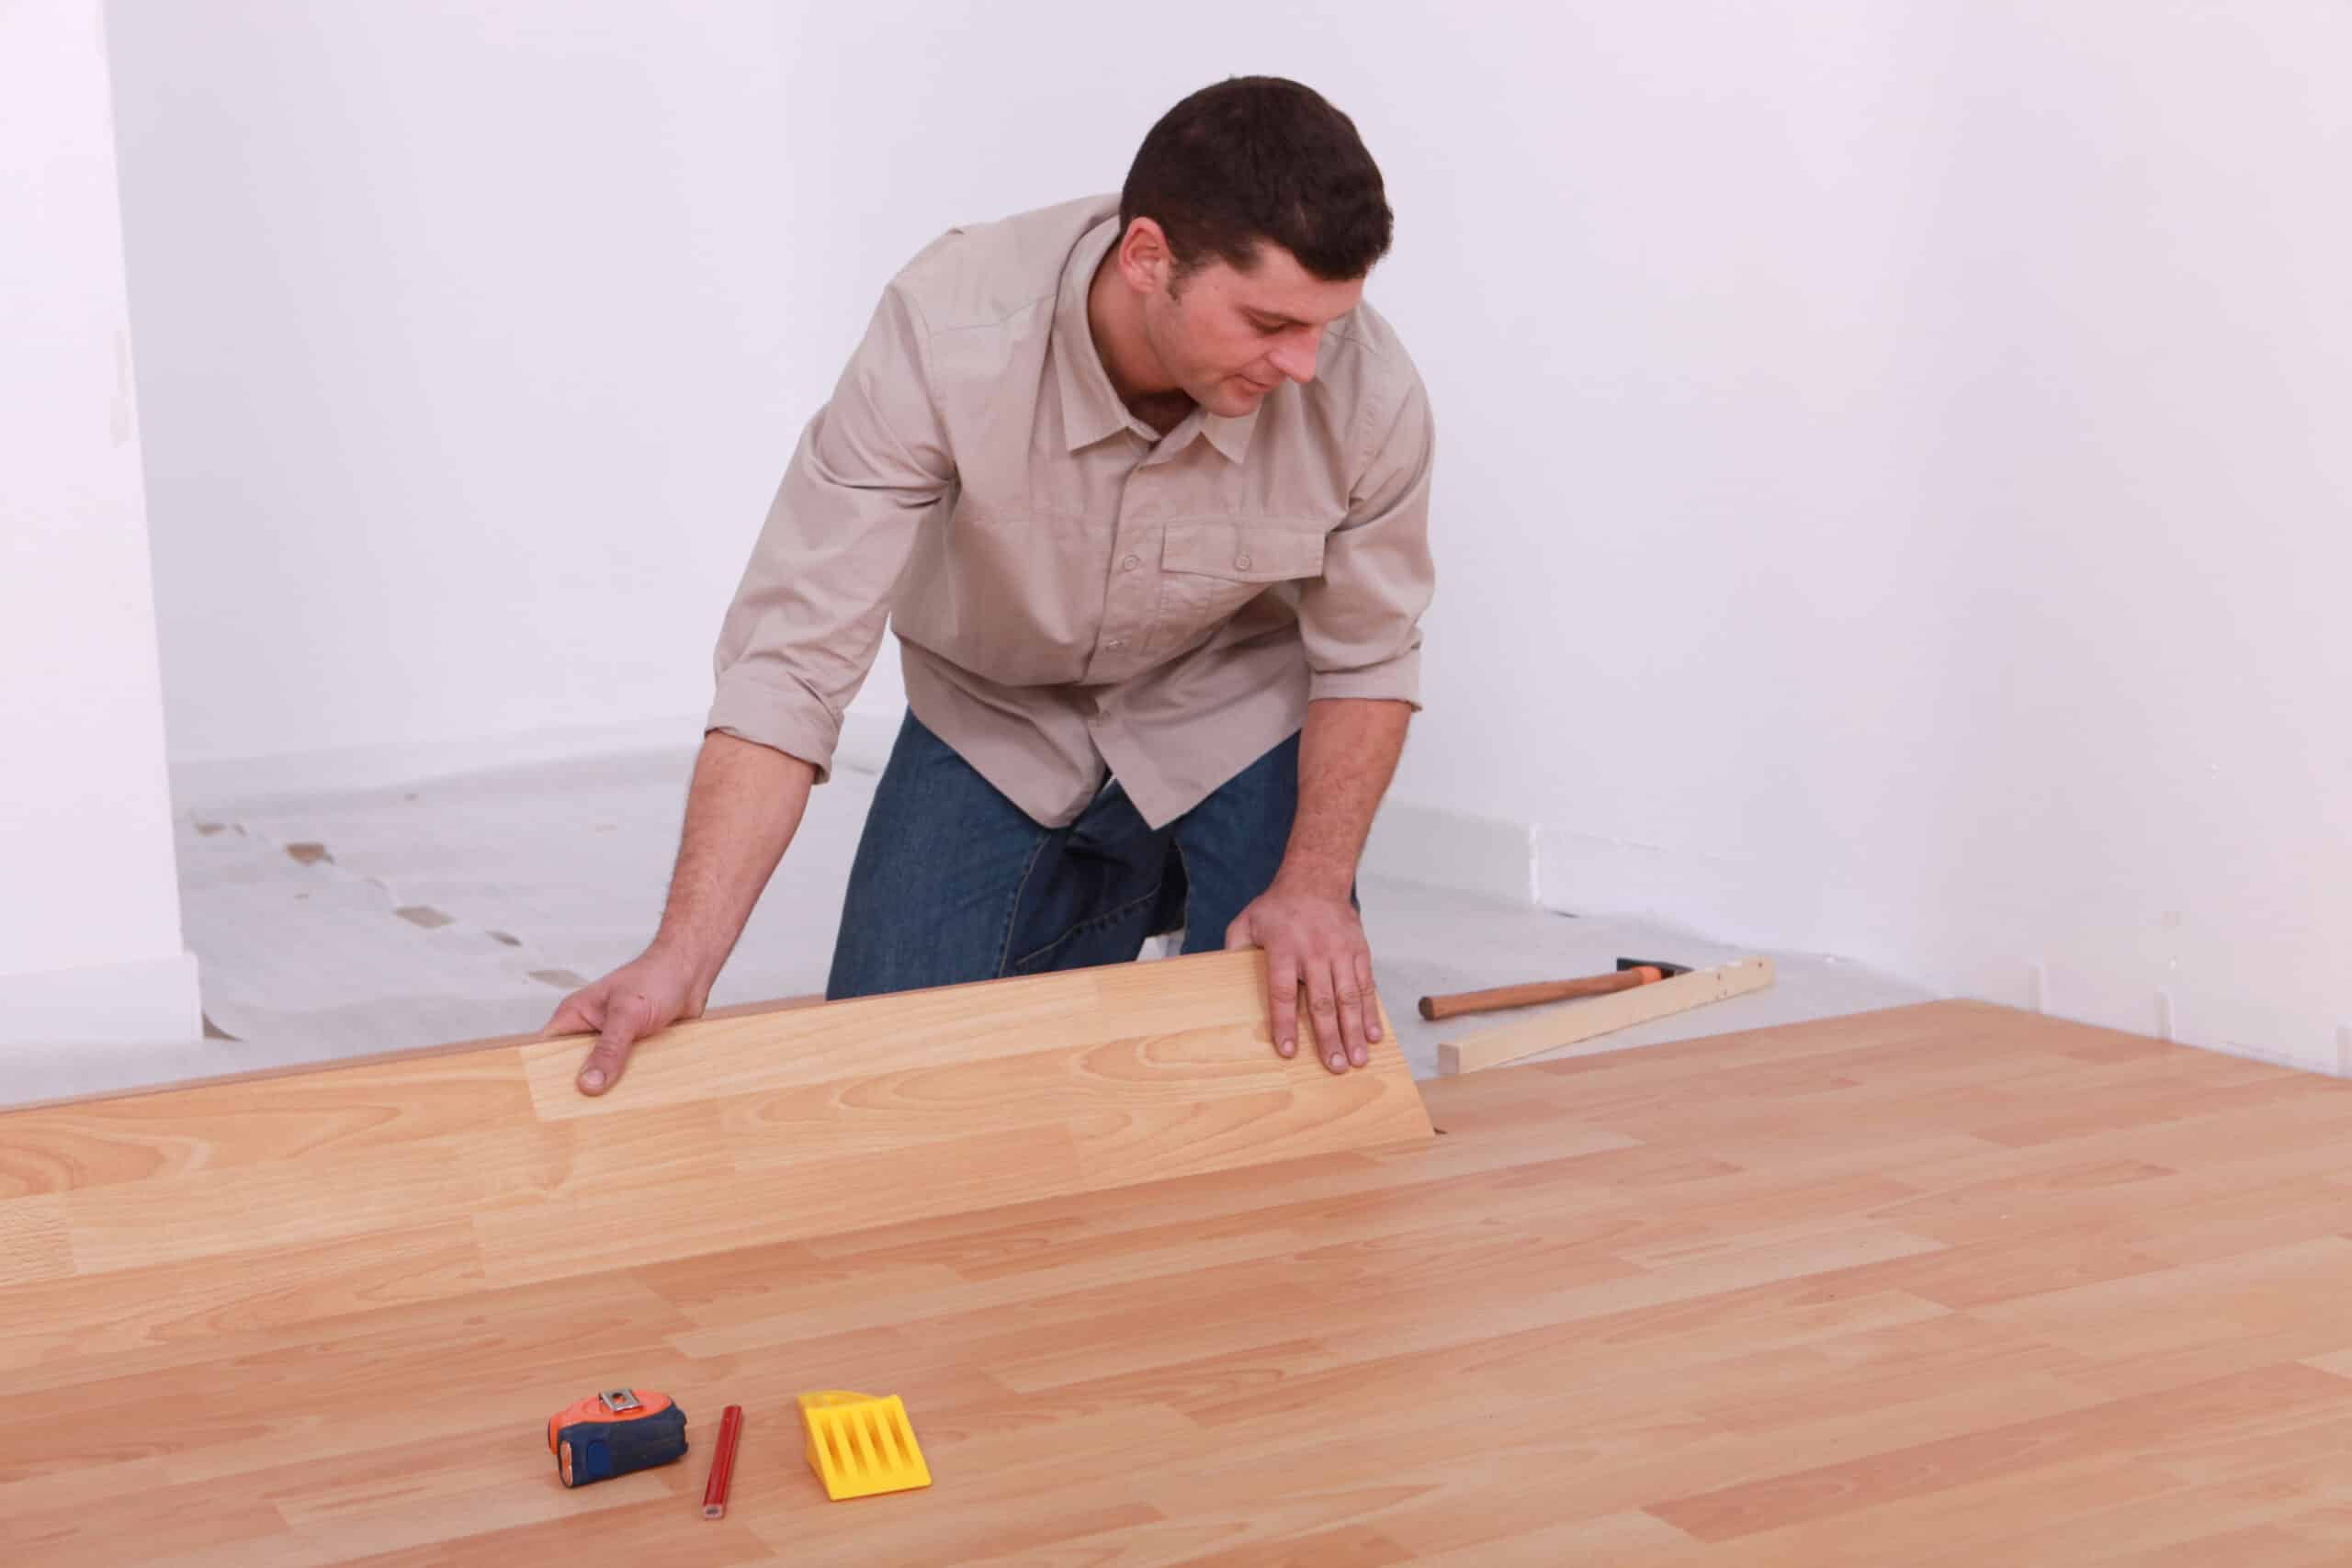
(1281, 982)
(1323, 1006)
(627, 1018)
(1281, 996)
(1349, 992)
(1343, 1008)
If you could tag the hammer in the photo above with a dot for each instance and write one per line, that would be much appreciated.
(1631, 972)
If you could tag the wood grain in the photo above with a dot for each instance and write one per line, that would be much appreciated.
(374, 1058)
(443, 1173)
(1943, 1285)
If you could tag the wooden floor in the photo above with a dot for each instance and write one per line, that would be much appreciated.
(1942, 1285)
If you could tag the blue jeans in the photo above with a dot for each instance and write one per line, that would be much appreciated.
(953, 882)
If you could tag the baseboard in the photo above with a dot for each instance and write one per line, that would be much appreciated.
(1764, 904)
(204, 782)
(208, 781)
(149, 1001)
(1424, 844)
(1724, 899)
(1427, 845)
(1433, 847)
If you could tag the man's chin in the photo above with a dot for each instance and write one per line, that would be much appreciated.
(1238, 398)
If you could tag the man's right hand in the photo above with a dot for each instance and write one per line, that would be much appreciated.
(741, 811)
(643, 996)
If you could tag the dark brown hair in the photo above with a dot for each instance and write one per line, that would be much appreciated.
(1260, 158)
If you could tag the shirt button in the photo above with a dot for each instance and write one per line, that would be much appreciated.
(1131, 563)
(1241, 563)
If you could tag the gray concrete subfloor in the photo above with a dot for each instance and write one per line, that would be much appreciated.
(464, 908)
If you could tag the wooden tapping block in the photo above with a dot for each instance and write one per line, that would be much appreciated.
(1601, 1015)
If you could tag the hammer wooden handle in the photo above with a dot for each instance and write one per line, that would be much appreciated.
(1437, 1008)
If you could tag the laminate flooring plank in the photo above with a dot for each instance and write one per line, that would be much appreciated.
(640, 1536)
(1959, 1525)
(1631, 1540)
(2228, 1405)
(210, 1127)
(734, 1132)
(197, 1302)
(2281, 1517)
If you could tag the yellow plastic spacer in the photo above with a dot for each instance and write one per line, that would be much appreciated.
(860, 1445)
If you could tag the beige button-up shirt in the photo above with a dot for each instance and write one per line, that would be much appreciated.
(1074, 591)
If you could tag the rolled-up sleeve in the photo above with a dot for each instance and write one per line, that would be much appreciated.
(1360, 621)
(801, 633)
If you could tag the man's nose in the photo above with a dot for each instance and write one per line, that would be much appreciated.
(1296, 359)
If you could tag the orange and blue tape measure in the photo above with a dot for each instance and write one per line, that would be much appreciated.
(614, 1433)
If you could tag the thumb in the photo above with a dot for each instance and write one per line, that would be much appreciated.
(625, 1018)
(1242, 934)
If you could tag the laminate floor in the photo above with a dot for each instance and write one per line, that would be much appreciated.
(1937, 1285)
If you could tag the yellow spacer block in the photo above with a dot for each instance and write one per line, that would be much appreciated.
(860, 1445)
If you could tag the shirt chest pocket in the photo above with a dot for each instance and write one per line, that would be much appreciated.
(1211, 567)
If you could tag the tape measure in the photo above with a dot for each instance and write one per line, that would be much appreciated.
(613, 1433)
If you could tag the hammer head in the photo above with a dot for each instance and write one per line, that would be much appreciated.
(1667, 970)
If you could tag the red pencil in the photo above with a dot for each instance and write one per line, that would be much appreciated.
(722, 1464)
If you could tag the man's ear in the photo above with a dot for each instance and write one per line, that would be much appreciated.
(1144, 260)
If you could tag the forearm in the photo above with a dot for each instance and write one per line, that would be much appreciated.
(1345, 756)
(742, 809)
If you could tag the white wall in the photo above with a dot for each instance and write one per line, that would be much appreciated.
(1925, 522)
(470, 336)
(89, 915)
(1885, 498)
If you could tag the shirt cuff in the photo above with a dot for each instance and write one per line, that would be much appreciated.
(788, 721)
(1396, 680)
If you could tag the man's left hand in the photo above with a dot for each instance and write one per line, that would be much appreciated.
(1314, 938)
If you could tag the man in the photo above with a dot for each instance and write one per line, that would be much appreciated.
(1144, 485)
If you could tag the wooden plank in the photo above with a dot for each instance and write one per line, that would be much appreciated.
(1599, 1015)
(726, 1133)
(373, 1058)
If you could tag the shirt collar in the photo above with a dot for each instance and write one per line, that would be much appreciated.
(1231, 437)
(1091, 409)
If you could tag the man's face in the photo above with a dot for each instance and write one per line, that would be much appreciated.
(1228, 337)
